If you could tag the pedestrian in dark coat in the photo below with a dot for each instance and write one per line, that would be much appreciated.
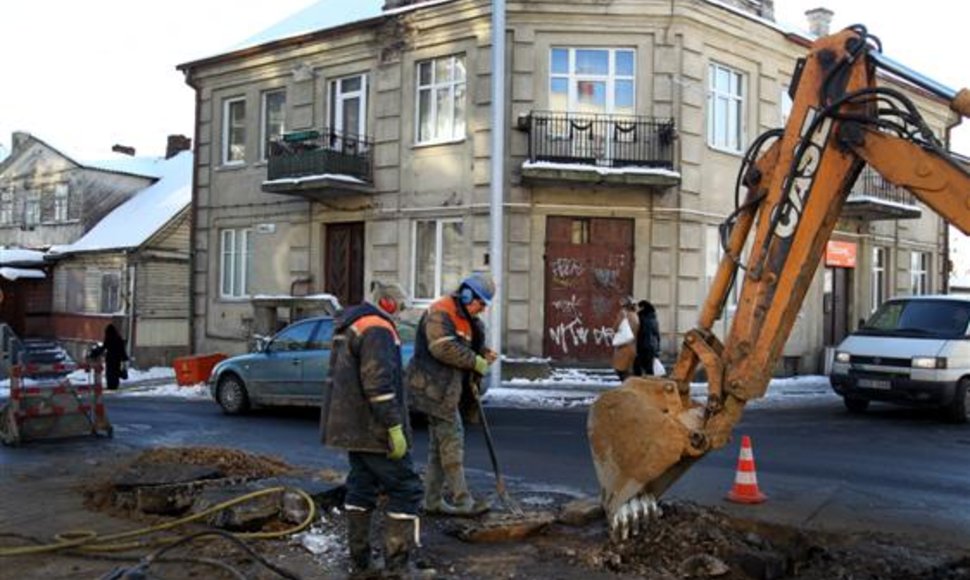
(114, 350)
(449, 357)
(364, 412)
(648, 337)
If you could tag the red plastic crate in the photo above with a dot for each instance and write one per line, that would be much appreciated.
(191, 370)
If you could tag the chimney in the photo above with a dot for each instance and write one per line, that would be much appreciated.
(392, 4)
(177, 144)
(819, 21)
(123, 149)
(18, 140)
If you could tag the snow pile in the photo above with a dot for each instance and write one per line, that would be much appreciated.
(324, 539)
(195, 392)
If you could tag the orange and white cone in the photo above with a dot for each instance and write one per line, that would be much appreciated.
(745, 488)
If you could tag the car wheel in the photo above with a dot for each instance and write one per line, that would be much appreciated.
(855, 404)
(232, 396)
(956, 412)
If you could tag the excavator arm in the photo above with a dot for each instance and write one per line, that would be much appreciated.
(648, 432)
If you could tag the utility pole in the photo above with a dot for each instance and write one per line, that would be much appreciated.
(496, 249)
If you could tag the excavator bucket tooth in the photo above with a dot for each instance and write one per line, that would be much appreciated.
(639, 435)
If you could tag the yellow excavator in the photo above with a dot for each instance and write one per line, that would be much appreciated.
(645, 434)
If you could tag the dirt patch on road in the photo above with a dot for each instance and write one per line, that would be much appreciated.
(231, 462)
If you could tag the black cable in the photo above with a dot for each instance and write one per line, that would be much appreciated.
(147, 560)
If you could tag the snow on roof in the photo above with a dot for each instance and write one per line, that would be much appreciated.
(20, 256)
(136, 220)
(17, 273)
(145, 166)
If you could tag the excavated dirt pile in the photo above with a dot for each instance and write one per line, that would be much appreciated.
(229, 462)
(691, 541)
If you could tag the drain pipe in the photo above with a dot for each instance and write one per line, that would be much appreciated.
(498, 183)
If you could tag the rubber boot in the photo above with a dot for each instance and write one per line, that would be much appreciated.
(358, 540)
(462, 503)
(400, 538)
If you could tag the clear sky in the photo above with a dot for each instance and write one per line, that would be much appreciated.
(86, 74)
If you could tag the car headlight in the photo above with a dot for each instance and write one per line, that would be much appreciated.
(842, 357)
(929, 362)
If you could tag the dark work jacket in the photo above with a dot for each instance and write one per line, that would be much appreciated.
(363, 396)
(115, 353)
(648, 339)
(444, 358)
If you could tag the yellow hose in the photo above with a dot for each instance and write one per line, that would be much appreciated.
(89, 541)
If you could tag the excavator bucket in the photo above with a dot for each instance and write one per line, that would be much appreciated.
(639, 435)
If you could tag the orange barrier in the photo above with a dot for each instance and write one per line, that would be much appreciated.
(191, 370)
(51, 409)
(745, 488)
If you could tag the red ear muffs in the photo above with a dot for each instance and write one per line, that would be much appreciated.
(387, 305)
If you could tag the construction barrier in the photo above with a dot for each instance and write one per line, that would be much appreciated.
(48, 408)
(745, 488)
(192, 370)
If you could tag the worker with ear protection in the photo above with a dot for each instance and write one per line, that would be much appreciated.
(446, 362)
(365, 413)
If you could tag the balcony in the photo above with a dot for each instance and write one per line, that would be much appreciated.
(318, 165)
(873, 198)
(609, 149)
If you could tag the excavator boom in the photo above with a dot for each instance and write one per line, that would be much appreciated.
(646, 433)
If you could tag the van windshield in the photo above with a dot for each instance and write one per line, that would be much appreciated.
(919, 319)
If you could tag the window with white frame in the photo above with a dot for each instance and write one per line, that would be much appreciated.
(236, 262)
(592, 80)
(880, 276)
(441, 99)
(60, 202)
(712, 261)
(32, 208)
(919, 272)
(6, 206)
(273, 115)
(786, 105)
(725, 108)
(348, 106)
(439, 258)
(234, 131)
(110, 292)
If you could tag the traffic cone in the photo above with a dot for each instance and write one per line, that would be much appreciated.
(745, 488)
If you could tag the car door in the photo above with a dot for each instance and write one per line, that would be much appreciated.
(316, 362)
(279, 373)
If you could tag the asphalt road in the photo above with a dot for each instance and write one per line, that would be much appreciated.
(892, 469)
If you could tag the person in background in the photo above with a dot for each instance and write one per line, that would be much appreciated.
(648, 337)
(447, 361)
(365, 412)
(625, 340)
(115, 353)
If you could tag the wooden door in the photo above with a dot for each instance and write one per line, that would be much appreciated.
(344, 272)
(588, 270)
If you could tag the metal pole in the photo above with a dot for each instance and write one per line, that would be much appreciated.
(498, 182)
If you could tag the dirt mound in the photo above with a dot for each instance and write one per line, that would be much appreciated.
(691, 541)
(230, 462)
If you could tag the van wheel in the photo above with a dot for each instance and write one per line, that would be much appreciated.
(856, 405)
(232, 396)
(956, 412)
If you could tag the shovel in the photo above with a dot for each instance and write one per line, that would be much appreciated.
(503, 494)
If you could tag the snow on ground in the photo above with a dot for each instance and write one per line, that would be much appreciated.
(323, 539)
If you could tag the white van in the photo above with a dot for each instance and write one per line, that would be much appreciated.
(914, 351)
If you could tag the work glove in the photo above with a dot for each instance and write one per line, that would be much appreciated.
(481, 365)
(397, 442)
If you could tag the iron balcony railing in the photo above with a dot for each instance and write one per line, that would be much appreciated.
(601, 140)
(323, 152)
(872, 185)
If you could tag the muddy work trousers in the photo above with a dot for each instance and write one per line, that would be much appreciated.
(446, 461)
(374, 473)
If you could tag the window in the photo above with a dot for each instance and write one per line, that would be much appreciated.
(593, 81)
(580, 231)
(786, 105)
(74, 289)
(879, 277)
(920, 272)
(234, 132)
(438, 257)
(236, 264)
(348, 106)
(714, 251)
(32, 209)
(6, 206)
(725, 106)
(441, 100)
(110, 292)
(60, 202)
(273, 116)
(293, 338)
